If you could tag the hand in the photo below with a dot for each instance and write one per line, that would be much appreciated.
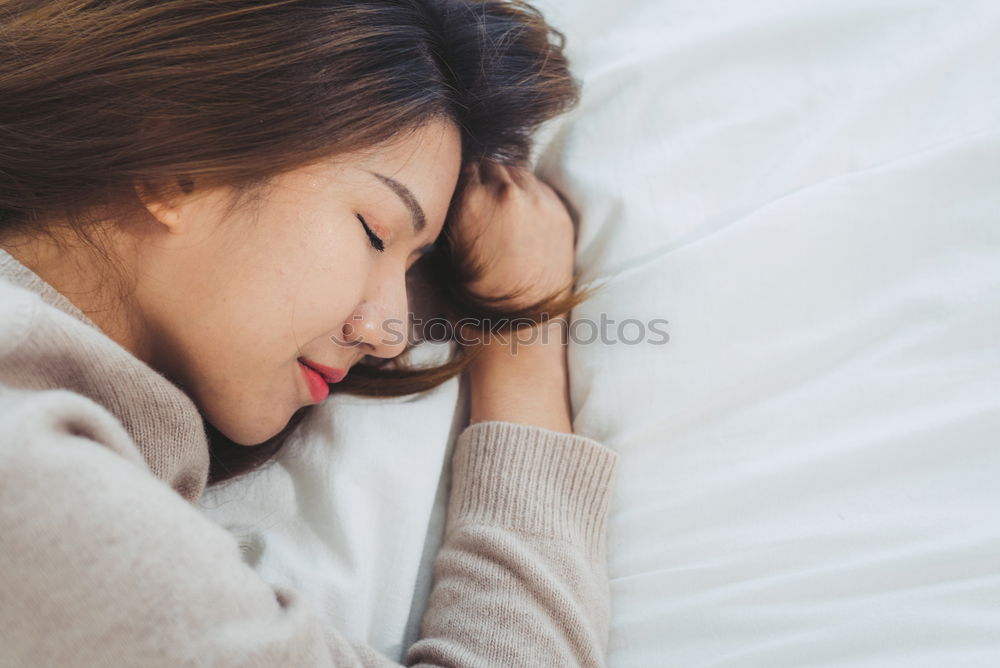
(518, 231)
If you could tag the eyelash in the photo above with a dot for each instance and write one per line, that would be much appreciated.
(377, 243)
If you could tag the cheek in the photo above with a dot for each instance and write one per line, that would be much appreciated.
(320, 299)
(274, 294)
(317, 287)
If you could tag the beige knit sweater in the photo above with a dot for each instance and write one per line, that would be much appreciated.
(105, 560)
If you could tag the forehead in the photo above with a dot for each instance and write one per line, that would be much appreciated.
(425, 161)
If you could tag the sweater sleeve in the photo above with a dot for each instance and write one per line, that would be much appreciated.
(102, 563)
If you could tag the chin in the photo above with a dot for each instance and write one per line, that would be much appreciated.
(251, 432)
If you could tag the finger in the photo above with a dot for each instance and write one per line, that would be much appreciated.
(519, 176)
(567, 204)
(549, 189)
(474, 173)
(487, 171)
(496, 173)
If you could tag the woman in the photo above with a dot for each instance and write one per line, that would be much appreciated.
(208, 211)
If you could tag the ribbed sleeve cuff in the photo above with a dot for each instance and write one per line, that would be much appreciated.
(534, 480)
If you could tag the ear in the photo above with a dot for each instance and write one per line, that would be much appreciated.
(166, 210)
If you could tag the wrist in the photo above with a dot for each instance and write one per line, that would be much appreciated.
(523, 377)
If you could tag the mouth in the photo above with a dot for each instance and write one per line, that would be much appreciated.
(328, 373)
(318, 378)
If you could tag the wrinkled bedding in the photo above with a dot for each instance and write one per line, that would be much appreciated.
(805, 197)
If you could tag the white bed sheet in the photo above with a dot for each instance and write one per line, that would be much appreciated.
(809, 193)
(344, 513)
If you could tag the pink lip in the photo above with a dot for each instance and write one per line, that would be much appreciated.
(317, 384)
(329, 374)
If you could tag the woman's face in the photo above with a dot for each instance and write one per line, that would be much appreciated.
(232, 305)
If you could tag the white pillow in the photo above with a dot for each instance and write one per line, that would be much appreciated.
(809, 192)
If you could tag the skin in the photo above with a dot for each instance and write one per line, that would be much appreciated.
(224, 304)
(225, 307)
(525, 237)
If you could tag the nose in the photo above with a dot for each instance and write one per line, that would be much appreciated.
(378, 327)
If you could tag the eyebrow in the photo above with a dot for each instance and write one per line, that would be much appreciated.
(419, 220)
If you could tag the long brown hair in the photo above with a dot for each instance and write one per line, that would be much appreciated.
(97, 96)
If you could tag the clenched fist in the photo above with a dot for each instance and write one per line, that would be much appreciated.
(518, 233)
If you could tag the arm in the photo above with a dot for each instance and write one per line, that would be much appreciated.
(524, 552)
(101, 563)
(521, 578)
(522, 574)
(523, 380)
(520, 234)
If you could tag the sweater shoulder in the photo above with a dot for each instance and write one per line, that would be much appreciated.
(18, 309)
(34, 421)
(51, 355)
(34, 417)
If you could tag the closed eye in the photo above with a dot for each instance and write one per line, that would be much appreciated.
(376, 243)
